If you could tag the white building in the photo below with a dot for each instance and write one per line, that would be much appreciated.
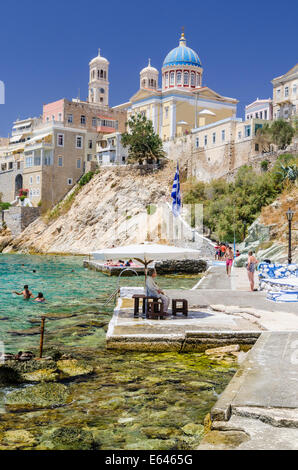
(110, 150)
(259, 109)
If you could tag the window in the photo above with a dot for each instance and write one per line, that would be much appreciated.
(53, 117)
(205, 140)
(89, 157)
(172, 78)
(60, 117)
(247, 131)
(101, 100)
(102, 90)
(60, 161)
(78, 163)
(185, 78)
(166, 111)
(256, 147)
(179, 78)
(239, 135)
(83, 119)
(47, 119)
(10, 165)
(94, 122)
(70, 118)
(90, 144)
(265, 114)
(197, 142)
(294, 89)
(193, 79)
(37, 179)
(69, 181)
(213, 137)
(79, 142)
(223, 135)
(198, 79)
(31, 180)
(167, 79)
(261, 114)
(247, 117)
(278, 93)
(29, 162)
(286, 91)
(257, 115)
(60, 140)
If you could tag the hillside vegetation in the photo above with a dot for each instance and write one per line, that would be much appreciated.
(232, 207)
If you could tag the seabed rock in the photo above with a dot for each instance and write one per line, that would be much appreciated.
(192, 429)
(73, 368)
(68, 438)
(44, 395)
(16, 439)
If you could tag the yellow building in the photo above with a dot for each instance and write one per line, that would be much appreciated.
(182, 103)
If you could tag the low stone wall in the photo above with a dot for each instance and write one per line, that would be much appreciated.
(187, 266)
(196, 341)
(19, 217)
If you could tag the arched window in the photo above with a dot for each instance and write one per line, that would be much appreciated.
(172, 78)
(185, 78)
(193, 79)
(179, 78)
(144, 82)
(167, 79)
(97, 73)
(198, 79)
(101, 74)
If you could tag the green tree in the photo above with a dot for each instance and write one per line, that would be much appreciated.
(142, 141)
(282, 133)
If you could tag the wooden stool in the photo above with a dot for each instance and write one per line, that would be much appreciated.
(154, 308)
(182, 309)
(136, 306)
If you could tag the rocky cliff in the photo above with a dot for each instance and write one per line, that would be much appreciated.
(115, 207)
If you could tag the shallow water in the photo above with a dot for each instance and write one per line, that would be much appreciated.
(133, 400)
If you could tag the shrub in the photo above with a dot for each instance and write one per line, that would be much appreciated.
(264, 165)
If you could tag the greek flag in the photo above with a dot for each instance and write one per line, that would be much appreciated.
(175, 195)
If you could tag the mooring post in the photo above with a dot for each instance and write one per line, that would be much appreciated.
(41, 336)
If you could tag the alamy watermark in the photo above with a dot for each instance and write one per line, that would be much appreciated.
(2, 92)
(158, 224)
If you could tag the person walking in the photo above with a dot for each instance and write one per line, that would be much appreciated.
(251, 267)
(229, 260)
(154, 291)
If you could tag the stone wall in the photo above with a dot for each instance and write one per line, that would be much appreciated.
(18, 218)
(189, 266)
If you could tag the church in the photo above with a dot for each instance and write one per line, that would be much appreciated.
(183, 102)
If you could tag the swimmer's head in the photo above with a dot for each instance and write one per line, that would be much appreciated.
(26, 287)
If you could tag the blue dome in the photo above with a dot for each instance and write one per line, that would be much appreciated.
(182, 55)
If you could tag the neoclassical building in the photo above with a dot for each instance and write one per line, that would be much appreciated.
(183, 102)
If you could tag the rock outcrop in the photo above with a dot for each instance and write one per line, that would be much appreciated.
(110, 210)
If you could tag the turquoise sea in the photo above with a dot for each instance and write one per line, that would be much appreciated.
(132, 400)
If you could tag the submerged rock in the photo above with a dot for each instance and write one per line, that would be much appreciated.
(16, 439)
(72, 367)
(44, 395)
(41, 375)
(68, 438)
(192, 429)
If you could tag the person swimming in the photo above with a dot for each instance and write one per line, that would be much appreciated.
(40, 297)
(26, 293)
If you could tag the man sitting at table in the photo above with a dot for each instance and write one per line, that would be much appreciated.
(152, 290)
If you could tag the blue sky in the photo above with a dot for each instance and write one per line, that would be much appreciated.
(45, 47)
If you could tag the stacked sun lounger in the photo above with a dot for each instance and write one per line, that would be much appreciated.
(280, 281)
